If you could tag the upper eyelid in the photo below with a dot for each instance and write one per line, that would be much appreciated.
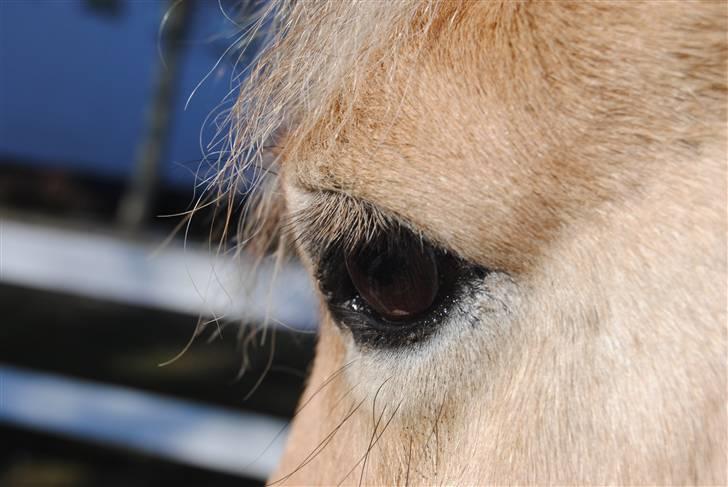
(332, 217)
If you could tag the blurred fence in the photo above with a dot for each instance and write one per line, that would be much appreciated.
(110, 116)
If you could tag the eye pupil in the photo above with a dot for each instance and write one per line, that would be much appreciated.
(398, 281)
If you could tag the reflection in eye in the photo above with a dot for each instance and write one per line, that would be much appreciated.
(399, 282)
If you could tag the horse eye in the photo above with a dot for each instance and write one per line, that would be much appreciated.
(398, 282)
(396, 289)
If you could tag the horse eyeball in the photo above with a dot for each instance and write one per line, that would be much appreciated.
(398, 282)
(395, 289)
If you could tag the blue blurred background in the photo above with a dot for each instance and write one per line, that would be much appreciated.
(111, 118)
(79, 77)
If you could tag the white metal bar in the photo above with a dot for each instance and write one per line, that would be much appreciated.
(175, 278)
(239, 443)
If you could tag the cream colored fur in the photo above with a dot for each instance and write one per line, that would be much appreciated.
(579, 149)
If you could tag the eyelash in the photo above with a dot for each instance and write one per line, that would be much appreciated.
(335, 219)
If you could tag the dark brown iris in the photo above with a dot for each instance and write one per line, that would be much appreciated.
(399, 282)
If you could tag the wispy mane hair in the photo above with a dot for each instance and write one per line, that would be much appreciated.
(308, 77)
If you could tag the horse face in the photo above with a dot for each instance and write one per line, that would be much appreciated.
(519, 233)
